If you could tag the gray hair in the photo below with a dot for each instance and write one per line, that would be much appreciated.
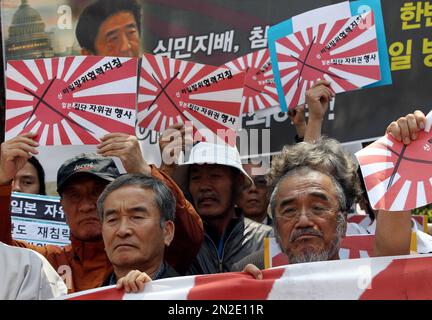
(303, 171)
(324, 155)
(164, 197)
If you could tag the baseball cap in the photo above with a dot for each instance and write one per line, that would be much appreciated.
(86, 163)
(209, 153)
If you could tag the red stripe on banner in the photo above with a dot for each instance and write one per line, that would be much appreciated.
(109, 294)
(356, 218)
(408, 279)
(355, 244)
(280, 260)
(235, 286)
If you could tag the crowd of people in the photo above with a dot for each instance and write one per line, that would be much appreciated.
(207, 214)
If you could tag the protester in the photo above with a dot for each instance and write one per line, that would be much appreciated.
(213, 177)
(26, 275)
(84, 264)
(110, 28)
(137, 214)
(30, 179)
(254, 198)
(314, 186)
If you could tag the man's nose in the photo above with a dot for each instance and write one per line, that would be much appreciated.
(87, 204)
(16, 186)
(304, 219)
(123, 229)
(124, 45)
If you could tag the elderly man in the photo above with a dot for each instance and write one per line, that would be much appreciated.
(80, 181)
(137, 214)
(110, 28)
(213, 176)
(314, 186)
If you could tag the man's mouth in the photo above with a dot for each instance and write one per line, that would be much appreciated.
(306, 237)
(207, 201)
(124, 245)
(90, 220)
(253, 201)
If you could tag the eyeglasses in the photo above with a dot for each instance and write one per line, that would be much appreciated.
(315, 211)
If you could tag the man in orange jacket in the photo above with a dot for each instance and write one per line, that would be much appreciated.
(83, 264)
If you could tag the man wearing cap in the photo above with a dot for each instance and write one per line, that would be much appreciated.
(213, 176)
(84, 264)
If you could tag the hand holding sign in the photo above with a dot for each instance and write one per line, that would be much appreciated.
(397, 175)
(71, 100)
(14, 155)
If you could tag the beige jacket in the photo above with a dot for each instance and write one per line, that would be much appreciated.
(27, 275)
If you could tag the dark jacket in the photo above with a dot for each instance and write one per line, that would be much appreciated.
(243, 236)
(256, 258)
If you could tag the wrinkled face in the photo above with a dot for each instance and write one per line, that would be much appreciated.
(307, 210)
(26, 180)
(211, 187)
(131, 229)
(254, 198)
(78, 199)
(118, 36)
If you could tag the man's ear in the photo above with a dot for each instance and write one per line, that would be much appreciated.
(168, 232)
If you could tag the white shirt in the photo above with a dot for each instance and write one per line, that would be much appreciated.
(27, 275)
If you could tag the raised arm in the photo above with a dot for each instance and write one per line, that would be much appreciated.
(14, 154)
(393, 231)
(317, 98)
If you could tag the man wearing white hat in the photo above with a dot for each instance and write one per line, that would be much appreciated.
(213, 176)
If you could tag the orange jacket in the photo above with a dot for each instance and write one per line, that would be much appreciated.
(84, 265)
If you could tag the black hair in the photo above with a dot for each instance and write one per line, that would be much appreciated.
(40, 173)
(95, 14)
(369, 210)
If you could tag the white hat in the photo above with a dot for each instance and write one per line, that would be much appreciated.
(209, 153)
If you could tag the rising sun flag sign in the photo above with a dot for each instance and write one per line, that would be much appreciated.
(71, 100)
(402, 277)
(344, 43)
(259, 91)
(398, 176)
(175, 91)
(343, 52)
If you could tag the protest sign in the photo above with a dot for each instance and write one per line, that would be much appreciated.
(259, 90)
(38, 219)
(398, 176)
(72, 100)
(175, 91)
